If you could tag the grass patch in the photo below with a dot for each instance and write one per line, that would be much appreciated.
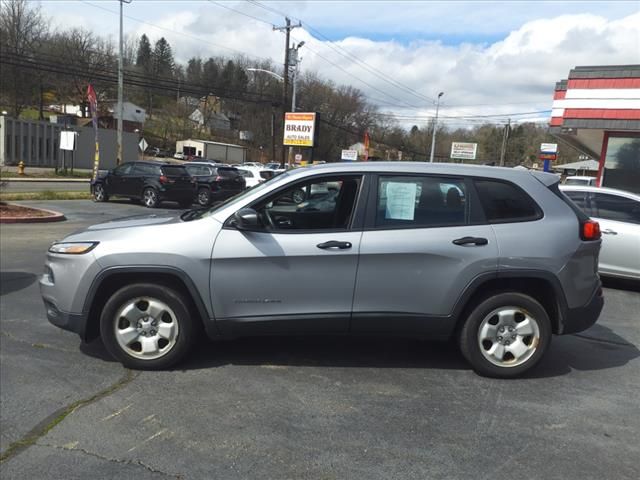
(47, 174)
(44, 195)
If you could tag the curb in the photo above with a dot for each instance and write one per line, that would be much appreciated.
(53, 217)
(48, 180)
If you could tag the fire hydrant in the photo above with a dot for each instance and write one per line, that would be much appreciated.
(21, 168)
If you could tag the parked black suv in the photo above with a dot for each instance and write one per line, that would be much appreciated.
(215, 182)
(150, 182)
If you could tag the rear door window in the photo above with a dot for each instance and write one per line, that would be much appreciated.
(145, 169)
(418, 202)
(504, 202)
(174, 171)
(617, 208)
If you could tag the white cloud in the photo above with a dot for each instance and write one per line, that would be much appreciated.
(515, 74)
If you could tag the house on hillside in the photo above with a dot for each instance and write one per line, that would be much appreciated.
(209, 114)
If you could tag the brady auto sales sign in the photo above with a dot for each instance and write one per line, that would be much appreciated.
(299, 129)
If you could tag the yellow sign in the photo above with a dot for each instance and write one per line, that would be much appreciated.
(299, 129)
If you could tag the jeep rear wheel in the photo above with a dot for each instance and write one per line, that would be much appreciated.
(147, 326)
(505, 335)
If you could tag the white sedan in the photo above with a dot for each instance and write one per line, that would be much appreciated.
(618, 213)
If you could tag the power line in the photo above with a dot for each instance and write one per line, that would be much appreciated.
(349, 56)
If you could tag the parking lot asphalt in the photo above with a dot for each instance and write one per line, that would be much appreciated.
(374, 408)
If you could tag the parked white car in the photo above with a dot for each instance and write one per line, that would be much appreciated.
(252, 165)
(251, 175)
(618, 213)
(576, 180)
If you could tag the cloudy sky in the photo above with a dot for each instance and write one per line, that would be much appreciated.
(489, 58)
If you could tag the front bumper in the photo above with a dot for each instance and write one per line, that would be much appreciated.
(72, 322)
(580, 318)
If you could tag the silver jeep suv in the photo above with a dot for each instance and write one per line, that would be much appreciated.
(498, 259)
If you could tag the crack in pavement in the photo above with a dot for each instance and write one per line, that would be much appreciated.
(136, 462)
(42, 428)
(35, 345)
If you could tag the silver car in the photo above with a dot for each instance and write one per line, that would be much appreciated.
(618, 213)
(498, 259)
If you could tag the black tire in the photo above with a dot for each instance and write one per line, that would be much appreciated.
(492, 314)
(99, 193)
(204, 197)
(180, 344)
(150, 198)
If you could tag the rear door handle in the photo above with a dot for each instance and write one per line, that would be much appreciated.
(334, 244)
(608, 231)
(470, 240)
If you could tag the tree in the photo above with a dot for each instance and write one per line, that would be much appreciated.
(23, 30)
(143, 55)
(163, 62)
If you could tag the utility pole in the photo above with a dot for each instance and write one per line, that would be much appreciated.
(505, 137)
(435, 128)
(120, 89)
(285, 84)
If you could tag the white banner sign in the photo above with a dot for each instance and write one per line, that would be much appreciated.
(549, 148)
(350, 155)
(67, 140)
(299, 129)
(465, 151)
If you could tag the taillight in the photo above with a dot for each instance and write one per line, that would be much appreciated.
(163, 179)
(590, 230)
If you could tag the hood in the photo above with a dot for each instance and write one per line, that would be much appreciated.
(135, 221)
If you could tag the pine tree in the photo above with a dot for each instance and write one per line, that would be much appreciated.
(163, 62)
(143, 57)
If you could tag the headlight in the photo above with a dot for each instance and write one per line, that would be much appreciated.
(72, 248)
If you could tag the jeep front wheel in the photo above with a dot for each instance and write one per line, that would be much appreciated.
(505, 335)
(147, 326)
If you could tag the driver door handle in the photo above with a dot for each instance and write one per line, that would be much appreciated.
(334, 244)
(470, 240)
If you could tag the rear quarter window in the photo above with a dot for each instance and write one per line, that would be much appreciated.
(504, 202)
(174, 171)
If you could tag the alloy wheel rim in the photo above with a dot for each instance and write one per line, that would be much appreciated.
(149, 198)
(98, 192)
(203, 198)
(146, 328)
(508, 336)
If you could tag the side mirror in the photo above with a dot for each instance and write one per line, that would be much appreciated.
(246, 219)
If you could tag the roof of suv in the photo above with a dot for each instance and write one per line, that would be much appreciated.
(439, 168)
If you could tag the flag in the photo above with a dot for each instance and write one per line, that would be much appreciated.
(93, 110)
(366, 146)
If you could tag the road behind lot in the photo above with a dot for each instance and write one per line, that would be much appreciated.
(304, 408)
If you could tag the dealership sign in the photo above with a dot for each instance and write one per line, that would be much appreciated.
(350, 155)
(465, 151)
(299, 129)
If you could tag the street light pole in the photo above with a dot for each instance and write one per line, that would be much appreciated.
(435, 128)
(120, 88)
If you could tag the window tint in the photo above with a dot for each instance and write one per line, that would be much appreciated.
(503, 202)
(613, 207)
(145, 169)
(123, 169)
(198, 170)
(246, 173)
(174, 170)
(582, 200)
(323, 204)
(415, 202)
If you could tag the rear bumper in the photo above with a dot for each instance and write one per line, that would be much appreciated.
(581, 318)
